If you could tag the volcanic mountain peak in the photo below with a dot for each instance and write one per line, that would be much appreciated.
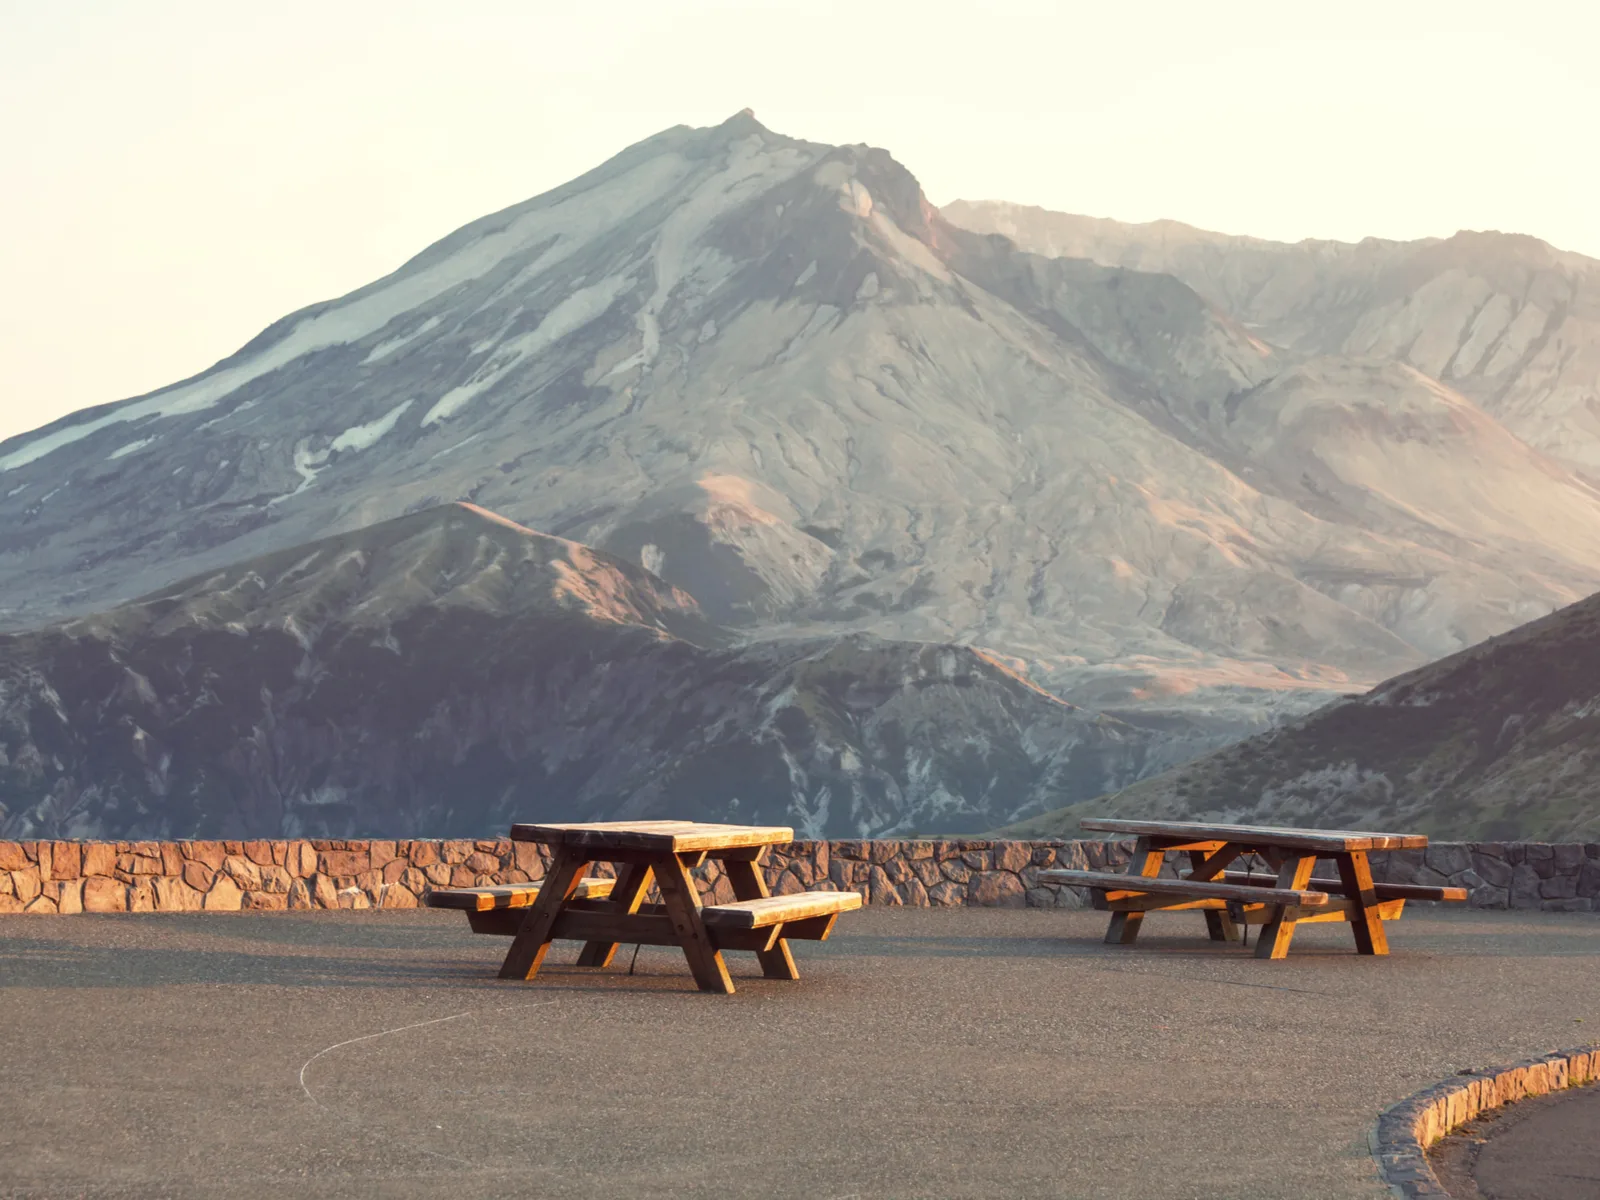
(771, 373)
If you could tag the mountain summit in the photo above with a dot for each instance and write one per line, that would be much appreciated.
(771, 373)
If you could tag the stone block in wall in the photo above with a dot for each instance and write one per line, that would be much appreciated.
(380, 853)
(927, 872)
(324, 893)
(1447, 858)
(956, 870)
(12, 857)
(11, 904)
(1012, 856)
(1489, 896)
(258, 852)
(438, 873)
(265, 901)
(300, 895)
(98, 858)
(396, 896)
(947, 894)
(1489, 861)
(142, 896)
(198, 876)
(25, 882)
(1525, 883)
(102, 894)
(225, 895)
(1567, 858)
(67, 894)
(173, 895)
(66, 861)
(455, 850)
(242, 871)
(996, 889)
(423, 854)
(1559, 887)
(211, 854)
(898, 871)
(40, 904)
(342, 864)
(300, 860)
(1589, 880)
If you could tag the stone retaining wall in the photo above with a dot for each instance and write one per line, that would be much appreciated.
(1401, 1138)
(70, 877)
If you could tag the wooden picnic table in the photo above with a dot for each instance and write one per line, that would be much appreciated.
(1277, 902)
(604, 913)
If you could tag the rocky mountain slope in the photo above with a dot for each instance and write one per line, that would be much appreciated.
(1498, 743)
(771, 373)
(1508, 321)
(448, 672)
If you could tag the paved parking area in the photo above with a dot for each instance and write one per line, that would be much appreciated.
(944, 1052)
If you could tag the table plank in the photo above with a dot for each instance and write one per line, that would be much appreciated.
(657, 837)
(1327, 840)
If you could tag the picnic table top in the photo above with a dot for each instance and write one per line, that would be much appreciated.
(1329, 840)
(666, 837)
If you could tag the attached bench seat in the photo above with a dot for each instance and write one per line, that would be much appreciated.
(1334, 887)
(778, 910)
(738, 925)
(1115, 886)
(513, 895)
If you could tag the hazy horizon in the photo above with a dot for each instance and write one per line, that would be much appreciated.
(179, 177)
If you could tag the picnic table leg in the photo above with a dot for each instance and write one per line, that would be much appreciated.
(532, 942)
(1277, 933)
(1356, 875)
(1146, 861)
(748, 884)
(1219, 924)
(683, 908)
(627, 895)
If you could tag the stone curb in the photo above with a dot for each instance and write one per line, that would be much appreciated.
(1400, 1139)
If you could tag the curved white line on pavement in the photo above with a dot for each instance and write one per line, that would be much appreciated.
(367, 1037)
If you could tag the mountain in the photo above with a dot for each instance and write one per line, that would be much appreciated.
(1506, 320)
(448, 672)
(771, 373)
(1498, 743)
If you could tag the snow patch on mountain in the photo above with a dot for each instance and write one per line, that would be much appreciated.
(570, 315)
(364, 437)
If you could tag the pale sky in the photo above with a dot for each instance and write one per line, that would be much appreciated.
(177, 174)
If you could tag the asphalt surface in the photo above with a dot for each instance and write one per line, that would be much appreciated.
(1547, 1148)
(945, 1052)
